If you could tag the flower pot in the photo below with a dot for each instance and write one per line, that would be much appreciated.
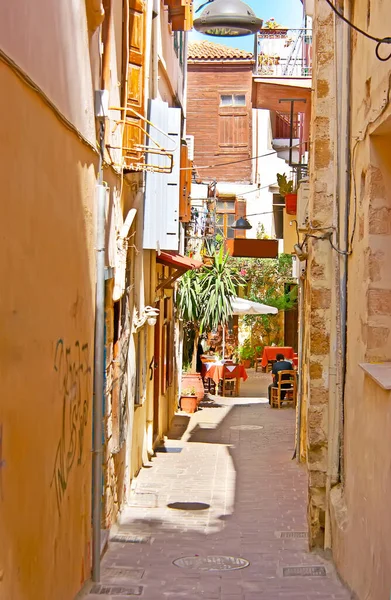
(291, 204)
(194, 380)
(189, 404)
(246, 363)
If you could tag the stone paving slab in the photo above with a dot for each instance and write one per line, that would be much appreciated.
(251, 490)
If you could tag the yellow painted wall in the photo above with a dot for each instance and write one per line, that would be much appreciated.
(47, 264)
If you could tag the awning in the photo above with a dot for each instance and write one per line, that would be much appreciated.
(174, 259)
(177, 261)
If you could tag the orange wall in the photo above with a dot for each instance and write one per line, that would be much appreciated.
(46, 352)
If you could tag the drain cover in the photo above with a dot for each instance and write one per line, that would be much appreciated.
(117, 573)
(125, 538)
(304, 572)
(246, 427)
(288, 535)
(189, 506)
(116, 590)
(211, 563)
(169, 450)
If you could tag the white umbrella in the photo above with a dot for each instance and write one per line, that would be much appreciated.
(240, 306)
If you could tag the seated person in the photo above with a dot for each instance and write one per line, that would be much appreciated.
(280, 365)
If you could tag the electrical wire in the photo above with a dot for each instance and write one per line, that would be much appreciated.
(235, 162)
(380, 41)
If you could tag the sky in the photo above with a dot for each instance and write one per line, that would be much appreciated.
(285, 12)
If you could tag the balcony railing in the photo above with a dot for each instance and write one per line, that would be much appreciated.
(284, 53)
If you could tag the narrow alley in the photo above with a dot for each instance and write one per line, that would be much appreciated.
(221, 513)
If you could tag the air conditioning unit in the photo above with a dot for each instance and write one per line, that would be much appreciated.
(190, 146)
(303, 198)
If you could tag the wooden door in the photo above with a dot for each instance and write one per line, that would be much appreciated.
(156, 381)
(134, 135)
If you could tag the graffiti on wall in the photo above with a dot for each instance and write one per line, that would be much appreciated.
(72, 365)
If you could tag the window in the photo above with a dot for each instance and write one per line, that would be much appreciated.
(233, 100)
(227, 211)
(234, 122)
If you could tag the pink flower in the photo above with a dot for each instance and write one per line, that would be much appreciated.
(243, 272)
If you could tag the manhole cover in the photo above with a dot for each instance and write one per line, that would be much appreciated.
(304, 572)
(287, 535)
(188, 506)
(211, 563)
(246, 427)
(116, 590)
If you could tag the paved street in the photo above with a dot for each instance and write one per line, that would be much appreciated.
(226, 487)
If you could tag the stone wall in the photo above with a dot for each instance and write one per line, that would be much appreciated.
(318, 297)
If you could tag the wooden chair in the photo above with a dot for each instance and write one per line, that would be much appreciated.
(269, 366)
(230, 381)
(290, 392)
(258, 363)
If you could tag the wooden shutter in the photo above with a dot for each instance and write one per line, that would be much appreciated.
(240, 211)
(180, 14)
(185, 185)
(233, 130)
(133, 136)
(161, 208)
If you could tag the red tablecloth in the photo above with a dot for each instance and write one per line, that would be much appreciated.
(270, 353)
(215, 372)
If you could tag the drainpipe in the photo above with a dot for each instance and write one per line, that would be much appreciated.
(345, 193)
(101, 113)
(340, 264)
(155, 48)
(301, 361)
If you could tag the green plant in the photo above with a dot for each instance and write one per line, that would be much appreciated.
(272, 24)
(205, 298)
(189, 392)
(285, 186)
(246, 352)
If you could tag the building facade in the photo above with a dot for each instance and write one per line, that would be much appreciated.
(345, 411)
(62, 145)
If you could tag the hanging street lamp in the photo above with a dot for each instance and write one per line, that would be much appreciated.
(231, 18)
(241, 224)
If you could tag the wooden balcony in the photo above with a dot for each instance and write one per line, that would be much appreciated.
(250, 248)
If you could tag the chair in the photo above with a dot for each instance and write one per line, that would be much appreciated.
(229, 383)
(258, 363)
(269, 366)
(290, 393)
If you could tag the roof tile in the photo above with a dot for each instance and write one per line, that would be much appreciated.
(209, 51)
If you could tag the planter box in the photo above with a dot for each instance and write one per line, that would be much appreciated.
(251, 248)
(189, 404)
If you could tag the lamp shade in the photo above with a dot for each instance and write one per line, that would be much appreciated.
(223, 18)
(241, 224)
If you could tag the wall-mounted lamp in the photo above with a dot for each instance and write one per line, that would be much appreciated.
(241, 224)
(227, 18)
(149, 315)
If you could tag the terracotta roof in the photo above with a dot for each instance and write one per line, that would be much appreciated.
(209, 51)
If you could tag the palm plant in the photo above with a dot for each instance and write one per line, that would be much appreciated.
(218, 288)
(205, 297)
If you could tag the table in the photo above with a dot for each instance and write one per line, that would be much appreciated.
(270, 353)
(215, 371)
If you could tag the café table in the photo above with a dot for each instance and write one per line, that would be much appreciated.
(270, 353)
(215, 371)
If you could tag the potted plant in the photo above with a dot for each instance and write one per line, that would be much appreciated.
(194, 382)
(288, 192)
(246, 353)
(189, 400)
